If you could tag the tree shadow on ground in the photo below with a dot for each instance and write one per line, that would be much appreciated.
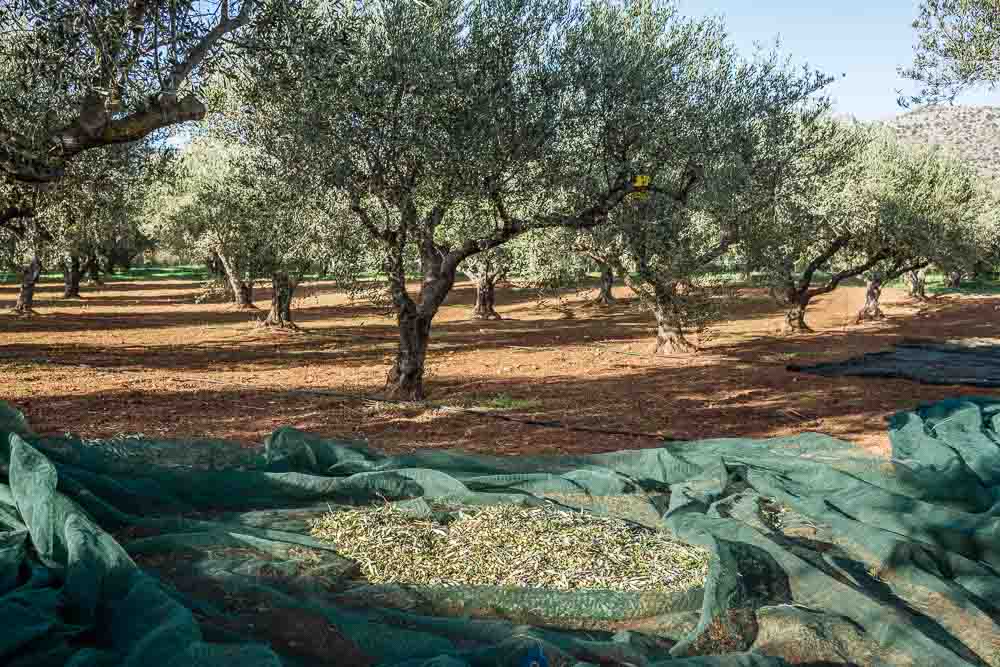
(154, 306)
(554, 372)
(52, 289)
(594, 370)
(255, 348)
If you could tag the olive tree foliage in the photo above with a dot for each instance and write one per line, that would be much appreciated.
(189, 220)
(930, 208)
(231, 203)
(96, 211)
(812, 224)
(83, 75)
(746, 127)
(545, 267)
(542, 110)
(606, 247)
(89, 221)
(945, 218)
(290, 234)
(958, 47)
(883, 211)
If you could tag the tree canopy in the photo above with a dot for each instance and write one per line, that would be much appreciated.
(958, 47)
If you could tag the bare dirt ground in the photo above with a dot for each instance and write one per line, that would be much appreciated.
(142, 357)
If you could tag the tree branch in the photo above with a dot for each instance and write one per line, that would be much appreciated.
(182, 70)
(899, 269)
(838, 278)
(366, 220)
(95, 125)
(838, 244)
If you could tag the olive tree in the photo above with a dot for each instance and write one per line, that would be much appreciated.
(82, 75)
(875, 209)
(96, 211)
(192, 219)
(971, 246)
(606, 248)
(90, 219)
(928, 205)
(486, 270)
(746, 127)
(958, 47)
(542, 110)
(231, 203)
(820, 219)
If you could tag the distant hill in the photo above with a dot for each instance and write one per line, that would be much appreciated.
(971, 133)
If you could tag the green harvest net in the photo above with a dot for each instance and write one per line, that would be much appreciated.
(971, 363)
(820, 554)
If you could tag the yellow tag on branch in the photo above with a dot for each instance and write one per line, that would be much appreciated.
(640, 182)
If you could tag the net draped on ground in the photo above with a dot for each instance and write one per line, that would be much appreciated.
(971, 363)
(821, 554)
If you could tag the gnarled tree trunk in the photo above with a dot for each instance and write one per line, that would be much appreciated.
(669, 326)
(955, 279)
(486, 298)
(92, 268)
(872, 310)
(26, 296)
(795, 316)
(280, 315)
(918, 284)
(670, 338)
(71, 277)
(240, 290)
(406, 376)
(405, 379)
(605, 296)
(243, 296)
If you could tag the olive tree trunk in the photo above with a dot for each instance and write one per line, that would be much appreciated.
(92, 267)
(872, 310)
(405, 379)
(26, 296)
(918, 284)
(283, 288)
(71, 277)
(799, 290)
(486, 298)
(241, 290)
(406, 376)
(670, 337)
(605, 296)
(795, 316)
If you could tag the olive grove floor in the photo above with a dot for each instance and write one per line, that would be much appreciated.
(143, 357)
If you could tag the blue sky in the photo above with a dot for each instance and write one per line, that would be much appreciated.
(866, 40)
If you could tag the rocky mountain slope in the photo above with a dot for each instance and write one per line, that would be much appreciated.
(970, 132)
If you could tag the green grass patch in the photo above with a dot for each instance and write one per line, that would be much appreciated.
(937, 284)
(135, 274)
(504, 402)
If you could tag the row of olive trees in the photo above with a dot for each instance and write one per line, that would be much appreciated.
(86, 224)
(829, 199)
(449, 137)
(395, 136)
(451, 132)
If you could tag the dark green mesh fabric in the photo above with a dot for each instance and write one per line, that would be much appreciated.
(974, 364)
(822, 555)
